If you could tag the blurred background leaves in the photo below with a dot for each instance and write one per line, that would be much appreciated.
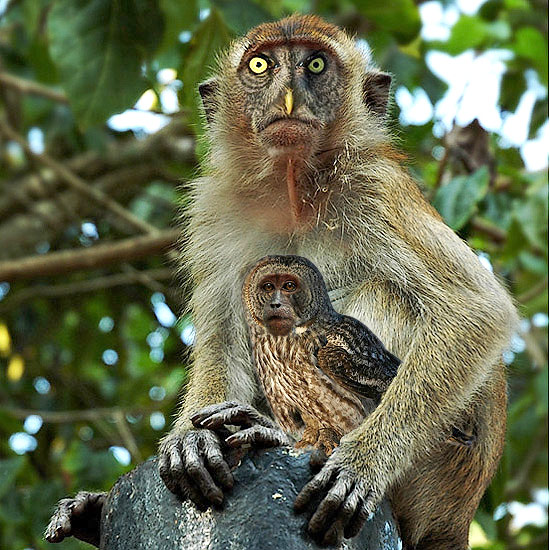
(99, 120)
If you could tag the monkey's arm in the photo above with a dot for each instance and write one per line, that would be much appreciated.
(193, 461)
(463, 323)
(357, 359)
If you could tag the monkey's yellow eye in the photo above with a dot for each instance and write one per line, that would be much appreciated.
(268, 287)
(258, 65)
(290, 286)
(316, 65)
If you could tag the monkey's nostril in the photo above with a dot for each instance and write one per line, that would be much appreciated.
(276, 305)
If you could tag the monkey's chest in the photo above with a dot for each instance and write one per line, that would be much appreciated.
(301, 395)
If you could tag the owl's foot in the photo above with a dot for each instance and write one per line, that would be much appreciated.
(309, 438)
(327, 440)
(324, 439)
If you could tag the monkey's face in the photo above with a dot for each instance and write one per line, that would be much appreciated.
(278, 292)
(283, 293)
(292, 92)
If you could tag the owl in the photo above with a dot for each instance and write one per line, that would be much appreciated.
(317, 367)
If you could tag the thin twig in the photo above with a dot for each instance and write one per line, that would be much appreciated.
(534, 291)
(31, 88)
(66, 261)
(67, 417)
(89, 285)
(496, 234)
(127, 436)
(78, 183)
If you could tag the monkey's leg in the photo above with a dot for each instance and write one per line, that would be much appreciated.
(437, 501)
(77, 517)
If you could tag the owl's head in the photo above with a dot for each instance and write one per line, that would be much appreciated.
(285, 293)
(295, 87)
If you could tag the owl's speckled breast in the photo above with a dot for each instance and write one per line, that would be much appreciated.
(298, 392)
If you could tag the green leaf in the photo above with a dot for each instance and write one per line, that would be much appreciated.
(243, 15)
(207, 42)
(9, 468)
(400, 17)
(98, 47)
(457, 200)
(178, 16)
(532, 216)
(468, 32)
(531, 45)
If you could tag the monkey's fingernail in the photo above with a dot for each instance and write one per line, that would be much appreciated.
(232, 441)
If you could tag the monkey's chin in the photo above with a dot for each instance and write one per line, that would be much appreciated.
(279, 326)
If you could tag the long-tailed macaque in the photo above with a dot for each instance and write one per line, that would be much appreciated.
(301, 163)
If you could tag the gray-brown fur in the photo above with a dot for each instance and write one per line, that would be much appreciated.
(388, 260)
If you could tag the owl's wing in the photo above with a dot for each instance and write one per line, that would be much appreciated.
(355, 358)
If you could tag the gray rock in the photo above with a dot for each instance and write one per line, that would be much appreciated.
(141, 514)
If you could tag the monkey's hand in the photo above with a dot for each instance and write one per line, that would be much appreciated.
(78, 517)
(255, 428)
(193, 466)
(348, 498)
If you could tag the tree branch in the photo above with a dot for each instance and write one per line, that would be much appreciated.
(496, 234)
(31, 88)
(97, 256)
(77, 183)
(67, 417)
(89, 285)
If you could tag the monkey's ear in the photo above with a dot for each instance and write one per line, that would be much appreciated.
(207, 90)
(376, 90)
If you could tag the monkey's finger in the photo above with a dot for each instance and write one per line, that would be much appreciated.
(188, 491)
(199, 416)
(60, 523)
(334, 534)
(236, 416)
(317, 460)
(313, 488)
(86, 502)
(218, 467)
(195, 469)
(334, 499)
(363, 512)
(167, 476)
(259, 436)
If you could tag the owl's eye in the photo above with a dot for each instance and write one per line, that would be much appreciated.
(268, 287)
(316, 65)
(258, 65)
(290, 286)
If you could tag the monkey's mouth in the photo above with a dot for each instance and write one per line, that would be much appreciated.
(284, 121)
(285, 132)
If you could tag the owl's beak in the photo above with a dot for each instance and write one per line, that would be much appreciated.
(289, 101)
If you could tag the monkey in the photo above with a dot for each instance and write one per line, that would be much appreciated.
(314, 364)
(301, 161)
